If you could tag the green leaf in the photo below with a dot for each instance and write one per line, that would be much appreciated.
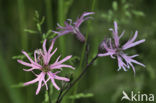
(128, 14)
(30, 31)
(44, 36)
(36, 14)
(73, 59)
(20, 85)
(81, 95)
(18, 57)
(48, 32)
(138, 13)
(126, 6)
(48, 35)
(38, 27)
(22, 56)
(38, 22)
(52, 36)
(42, 20)
(115, 5)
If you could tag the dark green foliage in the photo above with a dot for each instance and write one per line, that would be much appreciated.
(20, 30)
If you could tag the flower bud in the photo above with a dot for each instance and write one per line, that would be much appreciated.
(101, 48)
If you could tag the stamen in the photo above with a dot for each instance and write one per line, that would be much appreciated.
(45, 68)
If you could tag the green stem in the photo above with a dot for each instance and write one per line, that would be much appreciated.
(49, 17)
(84, 48)
(61, 18)
(77, 79)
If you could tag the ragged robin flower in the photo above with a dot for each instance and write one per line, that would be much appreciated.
(41, 63)
(73, 28)
(117, 51)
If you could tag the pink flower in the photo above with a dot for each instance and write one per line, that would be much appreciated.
(73, 27)
(115, 50)
(41, 62)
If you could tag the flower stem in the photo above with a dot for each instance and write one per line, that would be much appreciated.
(76, 80)
(61, 18)
(50, 101)
(85, 47)
(58, 98)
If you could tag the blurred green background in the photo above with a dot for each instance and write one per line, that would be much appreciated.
(103, 80)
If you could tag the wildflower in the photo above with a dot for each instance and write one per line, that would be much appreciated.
(73, 27)
(115, 50)
(41, 62)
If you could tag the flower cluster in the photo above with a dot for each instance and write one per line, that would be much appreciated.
(115, 50)
(41, 62)
(109, 47)
(73, 27)
(42, 57)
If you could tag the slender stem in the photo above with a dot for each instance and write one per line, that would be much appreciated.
(61, 18)
(81, 61)
(49, 16)
(61, 91)
(87, 53)
(86, 37)
(76, 80)
(50, 101)
(85, 45)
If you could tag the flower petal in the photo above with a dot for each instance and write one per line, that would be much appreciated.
(65, 59)
(122, 34)
(44, 47)
(51, 47)
(24, 63)
(25, 53)
(105, 54)
(79, 35)
(80, 20)
(31, 69)
(136, 62)
(39, 87)
(53, 81)
(31, 82)
(133, 44)
(121, 64)
(59, 66)
(61, 78)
